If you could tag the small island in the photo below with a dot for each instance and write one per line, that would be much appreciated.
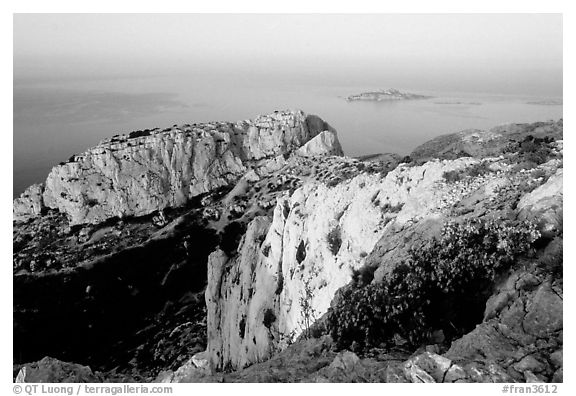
(386, 95)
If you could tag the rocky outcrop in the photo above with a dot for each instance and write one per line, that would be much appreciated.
(136, 174)
(196, 366)
(315, 361)
(544, 204)
(479, 143)
(523, 332)
(316, 238)
(304, 221)
(54, 371)
(30, 203)
(326, 143)
(520, 340)
(287, 270)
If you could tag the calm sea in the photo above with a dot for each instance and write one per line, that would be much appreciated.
(53, 120)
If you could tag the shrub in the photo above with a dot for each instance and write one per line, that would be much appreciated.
(443, 285)
(478, 169)
(269, 318)
(535, 150)
(524, 187)
(301, 252)
(538, 173)
(231, 236)
(452, 176)
(136, 134)
(524, 165)
(91, 202)
(334, 240)
(266, 250)
(333, 182)
(308, 311)
(392, 208)
(363, 275)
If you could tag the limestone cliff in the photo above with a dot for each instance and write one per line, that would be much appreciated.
(30, 202)
(136, 174)
(322, 232)
(294, 224)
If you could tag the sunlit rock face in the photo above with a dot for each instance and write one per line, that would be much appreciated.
(308, 250)
(544, 205)
(321, 232)
(326, 143)
(136, 174)
(30, 203)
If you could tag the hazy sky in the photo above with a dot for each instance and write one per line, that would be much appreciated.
(511, 53)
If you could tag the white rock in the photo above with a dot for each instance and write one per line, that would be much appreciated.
(545, 203)
(296, 255)
(326, 143)
(139, 175)
(30, 203)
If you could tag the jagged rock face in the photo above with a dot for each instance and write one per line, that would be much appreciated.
(308, 251)
(326, 143)
(522, 330)
(123, 179)
(489, 195)
(30, 203)
(320, 233)
(196, 366)
(544, 204)
(53, 371)
(151, 170)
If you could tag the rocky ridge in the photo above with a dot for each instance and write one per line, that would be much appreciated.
(79, 261)
(520, 337)
(307, 222)
(367, 220)
(136, 174)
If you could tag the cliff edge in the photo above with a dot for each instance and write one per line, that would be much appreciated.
(145, 171)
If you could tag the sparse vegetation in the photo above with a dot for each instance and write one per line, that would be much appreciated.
(478, 169)
(533, 152)
(432, 289)
(363, 276)
(269, 318)
(452, 176)
(308, 312)
(334, 239)
(91, 202)
(392, 208)
(136, 134)
(266, 250)
(231, 236)
(474, 170)
(301, 252)
(333, 182)
(538, 173)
